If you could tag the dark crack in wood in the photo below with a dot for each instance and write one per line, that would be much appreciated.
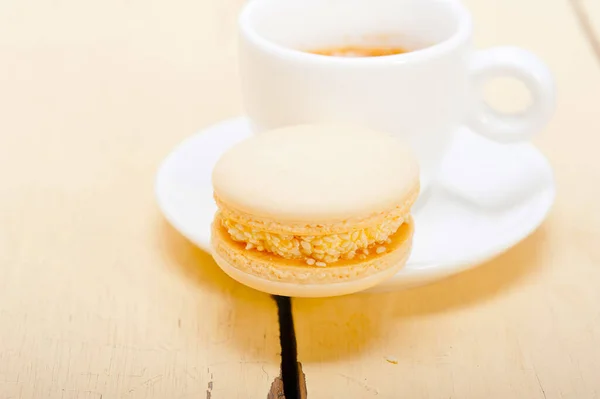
(292, 384)
(276, 391)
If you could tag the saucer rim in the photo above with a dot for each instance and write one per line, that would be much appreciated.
(406, 278)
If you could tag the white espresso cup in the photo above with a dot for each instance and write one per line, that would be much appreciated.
(423, 95)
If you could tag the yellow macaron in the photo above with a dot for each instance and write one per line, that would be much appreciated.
(314, 210)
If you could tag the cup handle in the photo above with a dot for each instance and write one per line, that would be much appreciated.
(529, 69)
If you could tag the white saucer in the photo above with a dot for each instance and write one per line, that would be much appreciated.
(487, 199)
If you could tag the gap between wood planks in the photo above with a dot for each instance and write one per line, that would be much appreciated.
(291, 384)
(586, 26)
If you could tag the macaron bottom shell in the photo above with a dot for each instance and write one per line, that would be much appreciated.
(273, 274)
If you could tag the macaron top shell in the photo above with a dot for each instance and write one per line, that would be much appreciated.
(316, 173)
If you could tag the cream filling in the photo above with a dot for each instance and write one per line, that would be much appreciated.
(317, 250)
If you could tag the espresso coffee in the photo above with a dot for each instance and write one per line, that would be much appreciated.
(359, 51)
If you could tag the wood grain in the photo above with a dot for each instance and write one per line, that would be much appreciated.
(100, 298)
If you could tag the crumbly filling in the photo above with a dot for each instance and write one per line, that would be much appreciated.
(318, 250)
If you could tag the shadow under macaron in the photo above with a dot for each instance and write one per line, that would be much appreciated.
(330, 329)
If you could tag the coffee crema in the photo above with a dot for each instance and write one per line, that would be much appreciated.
(358, 51)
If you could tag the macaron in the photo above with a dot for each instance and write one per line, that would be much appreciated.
(314, 210)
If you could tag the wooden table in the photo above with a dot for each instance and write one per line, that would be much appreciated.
(101, 298)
